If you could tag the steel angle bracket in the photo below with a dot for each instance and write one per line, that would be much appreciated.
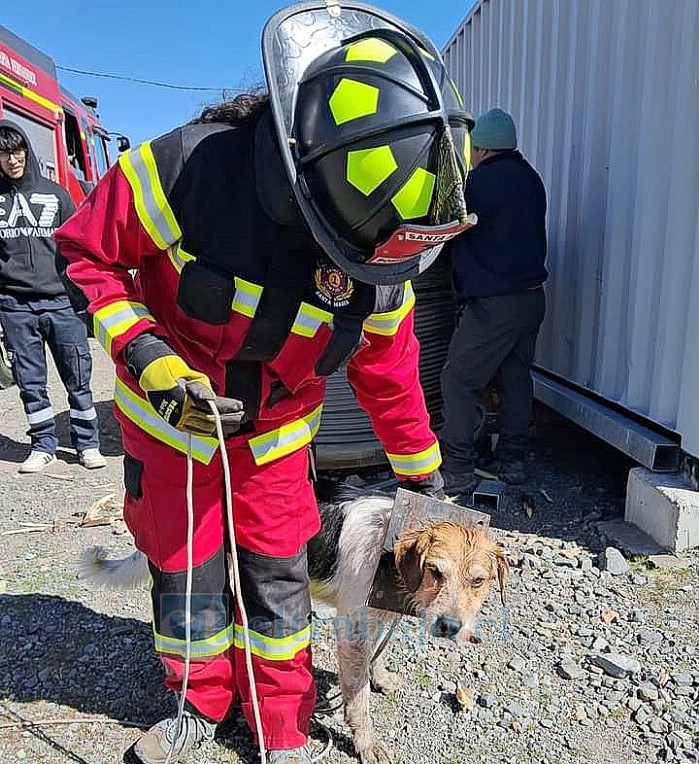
(488, 492)
(412, 510)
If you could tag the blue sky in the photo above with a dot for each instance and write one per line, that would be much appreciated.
(212, 43)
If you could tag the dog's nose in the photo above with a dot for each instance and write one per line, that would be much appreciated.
(446, 627)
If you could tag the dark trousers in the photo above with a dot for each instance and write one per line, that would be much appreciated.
(26, 326)
(494, 335)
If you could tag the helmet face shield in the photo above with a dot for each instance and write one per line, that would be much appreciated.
(370, 129)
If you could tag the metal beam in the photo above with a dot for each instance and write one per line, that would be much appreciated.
(642, 444)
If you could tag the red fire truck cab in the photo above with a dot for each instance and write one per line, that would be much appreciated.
(65, 132)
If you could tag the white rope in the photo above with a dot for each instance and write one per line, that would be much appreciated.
(237, 590)
(188, 597)
(236, 584)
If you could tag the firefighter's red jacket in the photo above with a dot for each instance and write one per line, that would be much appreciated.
(175, 241)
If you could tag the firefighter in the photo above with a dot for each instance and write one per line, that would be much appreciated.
(242, 259)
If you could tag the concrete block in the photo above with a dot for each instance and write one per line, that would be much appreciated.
(630, 539)
(662, 506)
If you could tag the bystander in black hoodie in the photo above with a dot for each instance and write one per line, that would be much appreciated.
(31, 209)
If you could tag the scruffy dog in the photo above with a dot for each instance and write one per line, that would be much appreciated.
(445, 568)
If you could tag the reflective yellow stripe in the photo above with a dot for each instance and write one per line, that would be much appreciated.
(387, 323)
(142, 414)
(287, 439)
(271, 649)
(149, 198)
(247, 297)
(203, 648)
(178, 257)
(31, 95)
(116, 319)
(421, 463)
(247, 293)
(309, 319)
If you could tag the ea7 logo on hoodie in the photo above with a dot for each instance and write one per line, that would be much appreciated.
(33, 217)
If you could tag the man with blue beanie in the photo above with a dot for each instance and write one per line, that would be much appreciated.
(498, 272)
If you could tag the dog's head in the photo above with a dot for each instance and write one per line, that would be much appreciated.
(448, 570)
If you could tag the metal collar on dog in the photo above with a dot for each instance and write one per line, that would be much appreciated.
(412, 510)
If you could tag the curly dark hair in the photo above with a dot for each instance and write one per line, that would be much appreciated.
(245, 107)
(10, 139)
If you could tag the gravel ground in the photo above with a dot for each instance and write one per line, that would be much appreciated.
(583, 665)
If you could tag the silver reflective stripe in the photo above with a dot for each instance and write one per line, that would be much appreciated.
(247, 297)
(309, 319)
(288, 438)
(87, 415)
(179, 257)
(149, 196)
(199, 649)
(274, 649)
(116, 319)
(387, 323)
(141, 413)
(416, 464)
(43, 415)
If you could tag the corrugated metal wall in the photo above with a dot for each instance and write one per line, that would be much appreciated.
(605, 94)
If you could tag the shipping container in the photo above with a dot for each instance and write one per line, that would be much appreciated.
(605, 95)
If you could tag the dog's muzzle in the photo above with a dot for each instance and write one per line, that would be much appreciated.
(447, 628)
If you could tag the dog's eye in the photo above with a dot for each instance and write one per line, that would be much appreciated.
(476, 583)
(436, 572)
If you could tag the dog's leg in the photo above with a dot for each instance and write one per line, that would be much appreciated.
(358, 559)
(382, 680)
(354, 643)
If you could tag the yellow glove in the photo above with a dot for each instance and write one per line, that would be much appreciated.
(164, 381)
(178, 393)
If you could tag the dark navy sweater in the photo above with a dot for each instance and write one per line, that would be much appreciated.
(505, 252)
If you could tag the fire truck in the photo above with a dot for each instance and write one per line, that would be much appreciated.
(65, 132)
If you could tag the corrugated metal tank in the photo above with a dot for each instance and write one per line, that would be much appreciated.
(605, 95)
(345, 438)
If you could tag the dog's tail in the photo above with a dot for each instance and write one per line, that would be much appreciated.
(127, 573)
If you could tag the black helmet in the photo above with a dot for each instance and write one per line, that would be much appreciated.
(373, 135)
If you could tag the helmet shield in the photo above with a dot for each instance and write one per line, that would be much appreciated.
(373, 135)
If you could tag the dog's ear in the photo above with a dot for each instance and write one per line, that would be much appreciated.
(409, 553)
(502, 569)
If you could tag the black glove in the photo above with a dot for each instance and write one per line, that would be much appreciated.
(230, 410)
(432, 485)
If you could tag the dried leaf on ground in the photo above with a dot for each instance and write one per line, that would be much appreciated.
(465, 696)
(105, 511)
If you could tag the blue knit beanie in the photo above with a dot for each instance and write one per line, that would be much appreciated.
(494, 130)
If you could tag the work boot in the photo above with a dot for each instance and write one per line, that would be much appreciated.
(458, 481)
(154, 746)
(290, 756)
(508, 468)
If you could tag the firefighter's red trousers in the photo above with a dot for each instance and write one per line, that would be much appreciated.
(275, 514)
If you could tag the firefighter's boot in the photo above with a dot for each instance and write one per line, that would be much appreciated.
(154, 746)
(290, 756)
